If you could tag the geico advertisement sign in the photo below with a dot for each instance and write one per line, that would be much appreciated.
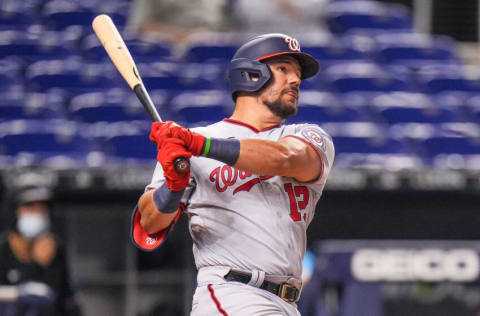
(461, 265)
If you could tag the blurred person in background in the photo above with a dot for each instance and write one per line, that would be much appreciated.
(295, 17)
(32, 259)
(178, 19)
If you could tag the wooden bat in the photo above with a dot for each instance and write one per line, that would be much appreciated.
(120, 56)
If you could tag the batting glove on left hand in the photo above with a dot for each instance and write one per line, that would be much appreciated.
(171, 149)
(162, 130)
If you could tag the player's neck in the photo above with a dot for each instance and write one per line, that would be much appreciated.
(254, 114)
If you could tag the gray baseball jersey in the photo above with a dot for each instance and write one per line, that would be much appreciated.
(247, 221)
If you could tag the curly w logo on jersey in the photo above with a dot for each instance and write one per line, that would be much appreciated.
(226, 176)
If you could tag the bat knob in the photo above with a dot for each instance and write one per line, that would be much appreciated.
(182, 165)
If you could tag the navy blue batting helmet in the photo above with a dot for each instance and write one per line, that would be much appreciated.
(248, 59)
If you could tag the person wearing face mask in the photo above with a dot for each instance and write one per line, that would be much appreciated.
(32, 259)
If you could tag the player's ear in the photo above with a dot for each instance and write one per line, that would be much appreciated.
(254, 76)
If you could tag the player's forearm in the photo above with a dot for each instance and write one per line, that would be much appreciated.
(288, 157)
(251, 155)
(152, 219)
(269, 158)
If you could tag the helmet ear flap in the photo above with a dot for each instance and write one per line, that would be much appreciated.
(247, 75)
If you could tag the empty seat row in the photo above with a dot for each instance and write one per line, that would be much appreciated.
(358, 144)
(116, 105)
(67, 144)
(194, 107)
(342, 16)
(59, 14)
(409, 146)
(400, 47)
(389, 108)
(76, 76)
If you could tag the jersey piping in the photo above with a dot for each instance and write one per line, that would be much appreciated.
(216, 301)
(254, 129)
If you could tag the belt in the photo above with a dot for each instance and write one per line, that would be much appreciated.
(286, 291)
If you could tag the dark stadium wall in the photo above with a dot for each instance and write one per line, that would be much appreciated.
(396, 215)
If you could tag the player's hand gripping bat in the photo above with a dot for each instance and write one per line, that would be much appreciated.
(120, 56)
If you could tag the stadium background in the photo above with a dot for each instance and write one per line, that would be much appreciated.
(403, 109)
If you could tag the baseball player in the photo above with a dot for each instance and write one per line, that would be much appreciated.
(251, 190)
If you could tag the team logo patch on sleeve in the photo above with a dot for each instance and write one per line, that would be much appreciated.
(315, 137)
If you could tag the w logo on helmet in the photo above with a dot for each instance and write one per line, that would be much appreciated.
(293, 44)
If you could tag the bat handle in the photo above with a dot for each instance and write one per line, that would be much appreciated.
(182, 165)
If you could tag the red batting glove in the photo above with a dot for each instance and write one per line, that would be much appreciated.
(171, 149)
(162, 130)
(193, 141)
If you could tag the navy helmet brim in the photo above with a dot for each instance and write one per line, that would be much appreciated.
(308, 64)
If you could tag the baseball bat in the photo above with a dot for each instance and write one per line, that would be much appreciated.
(119, 54)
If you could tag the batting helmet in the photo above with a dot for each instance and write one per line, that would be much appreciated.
(248, 59)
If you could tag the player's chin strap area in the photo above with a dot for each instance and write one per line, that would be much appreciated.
(288, 290)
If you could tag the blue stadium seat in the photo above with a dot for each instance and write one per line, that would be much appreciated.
(396, 115)
(141, 49)
(472, 104)
(33, 46)
(59, 14)
(366, 77)
(444, 145)
(320, 107)
(161, 98)
(17, 14)
(368, 145)
(211, 47)
(127, 143)
(342, 16)
(109, 106)
(459, 83)
(10, 73)
(117, 6)
(402, 107)
(179, 77)
(74, 76)
(329, 49)
(456, 100)
(451, 152)
(415, 50)
(310, 84)
(36, 106)
(201, 107)
(203, 52)
(131, 147)
(449, 78)
(117, 10)
(441, 84)
(41, 141)
(451, 145)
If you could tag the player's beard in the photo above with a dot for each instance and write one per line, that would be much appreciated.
(280, 108)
